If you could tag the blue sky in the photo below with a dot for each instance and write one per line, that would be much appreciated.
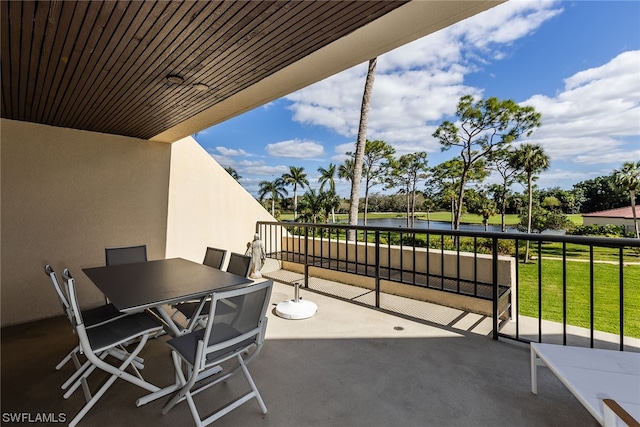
(577, 63)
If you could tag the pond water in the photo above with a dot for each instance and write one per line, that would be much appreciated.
(440, 225)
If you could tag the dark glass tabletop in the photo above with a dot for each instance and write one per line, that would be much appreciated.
(137, 286)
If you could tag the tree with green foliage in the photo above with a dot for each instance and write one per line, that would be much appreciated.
(345, 170)
(446, 179)
(542, 219)
(234, 174)
(297, 178)
(500, 161)
(530, 159)
(407, 172)
(628, 178)
(600, 194)
(276, 189)
(484, 126)
(428, 205)
(327, 177)
(330, 202)
(377, 157)
(487, 209)
(479, 203)
(311, 204)
(567, 200)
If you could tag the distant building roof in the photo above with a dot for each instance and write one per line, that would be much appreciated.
(614, 213)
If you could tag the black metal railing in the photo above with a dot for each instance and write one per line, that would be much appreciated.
(566, 274)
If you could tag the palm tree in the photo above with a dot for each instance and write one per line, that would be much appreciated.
(629, 178)
(500, 161)
(312, 205)
(358, 159)
(531, 159)
(345, 171)
(487, 210)
(330, 201)
(378, 157)
(234, 174)
(326, 177)
(276, 189)
(295, 177)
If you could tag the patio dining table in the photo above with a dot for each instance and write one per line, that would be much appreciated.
(155, 284)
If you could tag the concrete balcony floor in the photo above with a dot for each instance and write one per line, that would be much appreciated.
(346, 366)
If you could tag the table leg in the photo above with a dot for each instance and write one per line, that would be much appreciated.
(173, 326)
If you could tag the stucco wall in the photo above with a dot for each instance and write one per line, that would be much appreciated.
(66, 195)
(207, 207)
(599, 220)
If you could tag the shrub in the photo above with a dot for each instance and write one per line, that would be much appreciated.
(608, 230)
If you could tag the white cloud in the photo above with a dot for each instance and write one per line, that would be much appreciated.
(596, 119)
(296, 149)
(420, 82)
(229, 152)
(264, 170)
(505, 23)
(341, 151)
(223, 160)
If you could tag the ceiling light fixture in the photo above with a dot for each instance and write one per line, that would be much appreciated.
(200, 86)
(176, 80)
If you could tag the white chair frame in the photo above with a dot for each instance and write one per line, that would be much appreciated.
(202, 368)
(96, 356)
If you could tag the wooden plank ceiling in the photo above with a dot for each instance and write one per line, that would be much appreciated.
(103, 65)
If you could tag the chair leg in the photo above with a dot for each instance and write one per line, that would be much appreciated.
(181, 381)
(253, 385)
(116, 373)
(83, 372)
(186, 393)
(93, 401)
(72, 355)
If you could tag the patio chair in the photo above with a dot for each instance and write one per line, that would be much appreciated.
(92, 317)
(214, 257)
(202, 352)
(125, 254)
(128, 255)
(100, 341)
(238, 264)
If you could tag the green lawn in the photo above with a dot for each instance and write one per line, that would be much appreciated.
(582, 252)
(606, 295)
(510, 219)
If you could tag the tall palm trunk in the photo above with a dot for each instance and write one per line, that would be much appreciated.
(358, 160)
(366, 201)
(453, 213)
(295, 202)
(632, 193)
(530, 215)
(413, 207)
(504, 205)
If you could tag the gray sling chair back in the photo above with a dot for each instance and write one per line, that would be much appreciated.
(214, 257)
(92, 317)
(125, 254)
(238, 264)
(100, 341)
(198, 355)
